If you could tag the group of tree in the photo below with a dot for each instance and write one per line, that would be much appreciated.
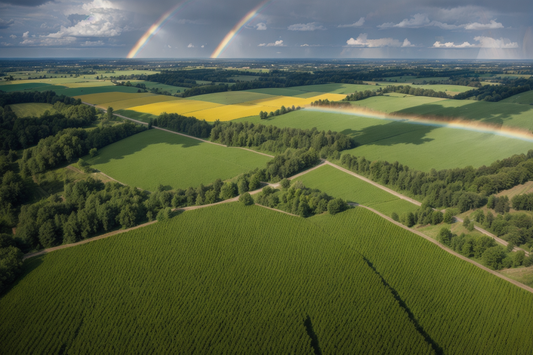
(20, 133)
(464, 188)
(183, 124)
(484, 248)
(45, 97)
(274, 139)
(494, 93)
(515, 228)
(523, 202)
(332, 104)
(415, 91)
(360, 95)
(281, 111)
(70, 144)
(300, 200)
(425, 215)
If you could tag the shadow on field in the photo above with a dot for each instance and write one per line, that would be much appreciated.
(494, 113)
(136, 143)
(391, 133)
(27, 267)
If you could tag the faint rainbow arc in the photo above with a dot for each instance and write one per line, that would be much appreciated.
(153, 29)
(231, 34)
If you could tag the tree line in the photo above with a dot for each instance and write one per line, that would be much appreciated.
(409, 90)
(188, 125)
(281, 111)
(494, 93)
(46, 97)
(274, 139)
(333, 104)
(464, 188)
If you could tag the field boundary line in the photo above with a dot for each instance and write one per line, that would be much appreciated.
(85, 241)
(443, 247)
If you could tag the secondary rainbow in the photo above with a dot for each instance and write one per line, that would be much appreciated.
(145, 38)
(235, 30)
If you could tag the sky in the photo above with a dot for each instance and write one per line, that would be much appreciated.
(452, 29)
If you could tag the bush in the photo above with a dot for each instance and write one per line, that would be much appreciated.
(493, 257)
(164, 214)
(448, 216)
(93, 152)
(337, 205)
(394, 216)
(246, 199)
(445, 236)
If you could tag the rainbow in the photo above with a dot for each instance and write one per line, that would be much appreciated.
(154, 29)
(438, 121)
(236, 29)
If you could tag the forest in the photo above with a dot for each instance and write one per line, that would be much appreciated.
(494, 93)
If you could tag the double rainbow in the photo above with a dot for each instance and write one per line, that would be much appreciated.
(236, 29)
(154, 29)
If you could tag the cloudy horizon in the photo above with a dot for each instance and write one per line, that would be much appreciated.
(281, 29)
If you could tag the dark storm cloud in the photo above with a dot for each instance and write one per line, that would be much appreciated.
(25, 2)
(5, 24)
(307, 28)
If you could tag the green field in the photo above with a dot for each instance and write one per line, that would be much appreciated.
(141, 116)
(225, 279)
(23, 87)
(393, 102)
(152, 84)
(340, 184)
(464, 309)
(155, 157)
(62, 90)
(31, 109)
(525, 98)
(421, 147)
(414, 79)
(231, 97)
(495, 113)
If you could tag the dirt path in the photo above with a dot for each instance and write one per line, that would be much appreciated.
(397, 194)
(85, 241)
(487, 233)
(522, 286)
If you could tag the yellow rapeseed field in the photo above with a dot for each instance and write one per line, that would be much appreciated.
(252, 108)
(109, 98)
(180, 106)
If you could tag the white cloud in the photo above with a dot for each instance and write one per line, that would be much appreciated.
(13, 36)
(202, 46)
(359, 23)
(92, 44)
(99, 5)
(275, 44)
(363, 41)
(26, 34)
(44, 41)
(311, 26)
(407, 43)
(5, 44)
(168, 46)
(439, 44)
(304, 45)
(190, 45)
(492, 25)
(484, 42)
(418, 20)
(261, 26)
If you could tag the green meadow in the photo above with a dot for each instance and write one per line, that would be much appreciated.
(31, 109)
(525, 98)
(422, 147)
(340, 184)
(231, 97)
(156, 157)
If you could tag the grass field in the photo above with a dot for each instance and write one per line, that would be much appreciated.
(144, 117)
(31, 109)
(155, 157)
(495, 113)
(152, 85)
(340, 184)
(123, 100)
(525, 98)
(231, 97)
(414, 79)
(17, 86)
(462, 308)
(393, 102)
(248, 281)
(421, 147)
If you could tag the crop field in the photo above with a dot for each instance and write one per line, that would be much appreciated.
(31, 109)
(97, 99)
(156, 157)
(144, 117)
(211, 111)
(495, 113)
(462, 308)
(421, 147)
(181, 106)
(224, 279)
(393, 102)
(525, 98)
(231, 97)
(340, 184)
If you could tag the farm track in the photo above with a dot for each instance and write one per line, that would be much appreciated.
(403, 197)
